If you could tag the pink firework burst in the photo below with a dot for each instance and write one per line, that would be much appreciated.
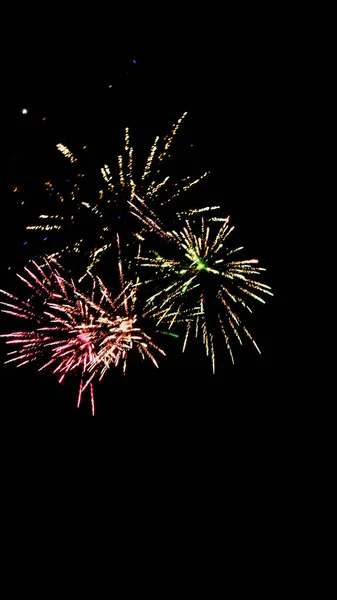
(85, 334)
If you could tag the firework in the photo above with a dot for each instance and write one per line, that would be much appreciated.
(200, 281)
(85, 334)
(99, 214)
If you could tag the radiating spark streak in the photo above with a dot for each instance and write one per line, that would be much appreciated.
(25, 281)
(150, 158)
(92, 399)
(212, 353)
(186, 336)
(169, 139)
(66, 152)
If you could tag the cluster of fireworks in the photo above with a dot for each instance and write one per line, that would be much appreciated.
(183, 279)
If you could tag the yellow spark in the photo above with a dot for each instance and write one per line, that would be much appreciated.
(66, 152)
(150, 158)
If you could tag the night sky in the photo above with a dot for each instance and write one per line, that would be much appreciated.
(237, 100)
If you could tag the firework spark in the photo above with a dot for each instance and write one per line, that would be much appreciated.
(199, 281)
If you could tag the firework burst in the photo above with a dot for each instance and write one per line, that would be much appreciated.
(75, 213)
(84, 334)
(200, 281)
